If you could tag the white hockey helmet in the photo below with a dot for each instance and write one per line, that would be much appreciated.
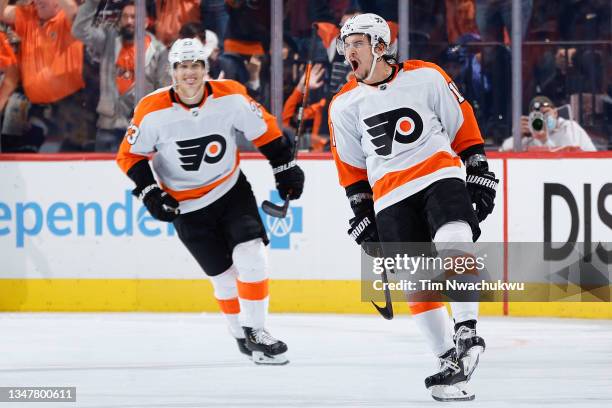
(187, 49)
(370, 24)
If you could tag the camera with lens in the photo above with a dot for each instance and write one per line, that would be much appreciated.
(536, 121)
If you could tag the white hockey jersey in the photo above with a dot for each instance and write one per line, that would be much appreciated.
(402, 135)
(195, 156)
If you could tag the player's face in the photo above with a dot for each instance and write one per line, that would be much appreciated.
(189, 75)
(358, 52)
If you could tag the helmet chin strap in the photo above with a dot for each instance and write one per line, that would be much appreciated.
(374, 58)
(187, 98)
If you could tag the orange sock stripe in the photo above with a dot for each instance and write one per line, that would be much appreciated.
(420, 307)
(229, 306)
(253, 290)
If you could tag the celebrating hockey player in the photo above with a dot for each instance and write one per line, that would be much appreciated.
(399, 133)
(189, 129)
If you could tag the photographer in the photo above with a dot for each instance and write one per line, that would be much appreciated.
(544, 128)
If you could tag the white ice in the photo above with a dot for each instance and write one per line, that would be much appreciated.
(189, 360)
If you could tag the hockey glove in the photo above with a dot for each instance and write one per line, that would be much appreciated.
(289, 180)
(363, 231)
(160, 204)
(481, 184)
(363, 226)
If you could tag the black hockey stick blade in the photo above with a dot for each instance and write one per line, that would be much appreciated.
(278, 211)
(387, 311)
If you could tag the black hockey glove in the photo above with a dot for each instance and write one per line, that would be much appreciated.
(363, 226)
(160, 204)
(481, 184)
(289, 180)
(363, 231)
(288, 175)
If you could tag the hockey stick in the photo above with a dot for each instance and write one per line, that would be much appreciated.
(280, 211)
(387, 311)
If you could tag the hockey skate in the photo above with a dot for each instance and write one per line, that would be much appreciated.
(450, 383)
(243, 348)
(265, 348)
(469, 346)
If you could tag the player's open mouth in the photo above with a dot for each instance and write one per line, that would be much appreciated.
(355, 65)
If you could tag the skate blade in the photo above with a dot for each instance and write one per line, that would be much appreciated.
(449, 393)
(261, 358)
(471, 360)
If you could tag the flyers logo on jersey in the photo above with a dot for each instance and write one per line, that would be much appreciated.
(404, 125)
(209, 149)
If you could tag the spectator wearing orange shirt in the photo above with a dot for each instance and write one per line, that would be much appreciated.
(51, 67)
(313, 113)
(172, 15)
(8, 66)
(114, 46)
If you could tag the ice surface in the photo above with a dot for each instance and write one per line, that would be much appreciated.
(189, 360)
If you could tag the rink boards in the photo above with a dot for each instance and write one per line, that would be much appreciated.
(72, 238)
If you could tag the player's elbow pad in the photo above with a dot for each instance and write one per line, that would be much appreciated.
(360, 197)
(278, 151)
(141, 174)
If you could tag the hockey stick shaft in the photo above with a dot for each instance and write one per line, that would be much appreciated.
(280, 211)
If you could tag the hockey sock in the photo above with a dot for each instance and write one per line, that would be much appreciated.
(226, 293)
(432, 320)
(457, 236)
(251, 262)
(463, 311)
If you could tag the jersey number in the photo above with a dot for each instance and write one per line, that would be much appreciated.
(456, 92)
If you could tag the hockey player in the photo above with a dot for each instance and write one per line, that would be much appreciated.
(189, 129)
(399, 133)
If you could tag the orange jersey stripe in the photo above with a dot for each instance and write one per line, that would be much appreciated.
(394, 179)
(469, 133)
(420, 307)
(253, 290)
(229, 306)
(182, 195)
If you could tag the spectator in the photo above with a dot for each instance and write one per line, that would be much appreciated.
(494, 20)
(248, 27)
(8, 66)
(171, 15)
(214, 18)
(543, 128)
(51, 70)
(460, 19)
(313, 113)
(462, 62)
(116, 50)
(12, 133)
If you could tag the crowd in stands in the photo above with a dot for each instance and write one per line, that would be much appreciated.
(67, 67)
